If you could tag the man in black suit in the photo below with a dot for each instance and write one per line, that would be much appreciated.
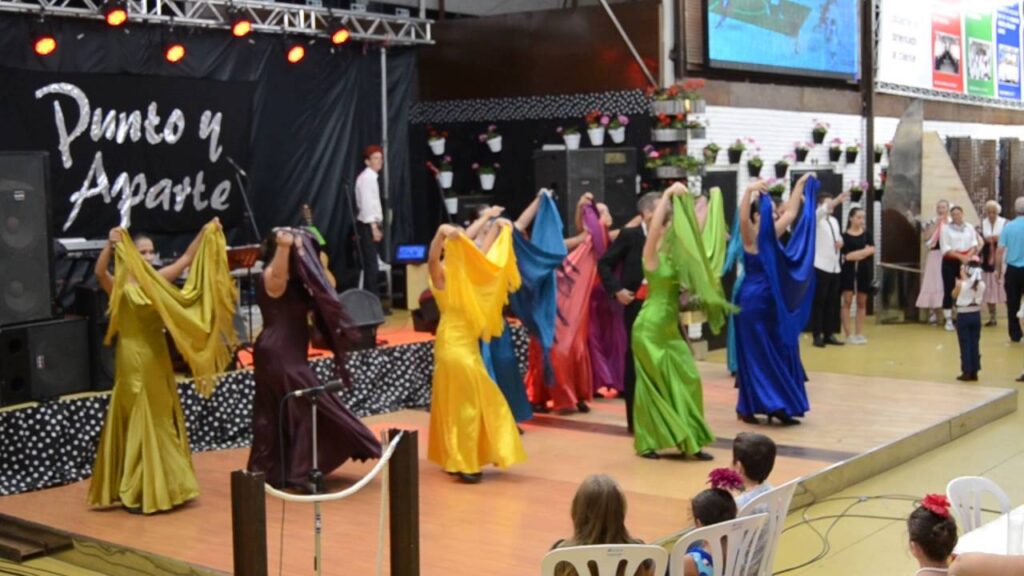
(628, 250)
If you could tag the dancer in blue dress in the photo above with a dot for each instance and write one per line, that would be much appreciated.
(733, 259)
(775, 302)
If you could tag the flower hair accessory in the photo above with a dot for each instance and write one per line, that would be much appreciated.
(938, 504)
(725, 479)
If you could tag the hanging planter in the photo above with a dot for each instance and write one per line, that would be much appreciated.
(711, 154)
(754, 167)
(669, 172)
(451, 204)
(851, 155)
(618, 135)
(780, 169)
(878, 156)
(487, 173)
(856, 194)
(572, 141)
(668, 135)
(596, 136)
(777, 191)
(668, 107)
(695, 105)
(696, 133)
(494, 144)
(735, 155)
(445, 178)
(487, 181)
(801, 154)
(437, 146)
(819, 131)
(491, 138)
(834, 154)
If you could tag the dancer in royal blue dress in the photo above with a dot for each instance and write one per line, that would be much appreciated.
(775, 302)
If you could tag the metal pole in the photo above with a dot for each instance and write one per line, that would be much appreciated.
(384, 145)
(317, 480)
(629, 44)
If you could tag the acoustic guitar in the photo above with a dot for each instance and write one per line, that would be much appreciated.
(307, 216)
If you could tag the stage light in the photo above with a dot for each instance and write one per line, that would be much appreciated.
(340, 36)
(174, 52)
(115, 12)
(296, 52)
(241, 25)
(44, 44)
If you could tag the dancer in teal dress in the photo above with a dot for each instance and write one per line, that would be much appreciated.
(668, 410)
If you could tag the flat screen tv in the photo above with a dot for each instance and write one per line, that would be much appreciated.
(818, 38)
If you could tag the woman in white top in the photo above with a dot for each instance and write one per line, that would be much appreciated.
(991, 228)
(968, 293)
(930, 296)
(958, 243)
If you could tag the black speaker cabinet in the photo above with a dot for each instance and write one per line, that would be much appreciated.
(26, 291)
(607, 173)
(43, 360)
(91, 304)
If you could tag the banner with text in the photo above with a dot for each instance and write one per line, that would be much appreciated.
(150, 152)
(1008, 51)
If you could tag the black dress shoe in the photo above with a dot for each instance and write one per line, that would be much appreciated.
(783, 418)
(582, 407)
(964, 377)
(650, 455)
(471, 478)
(832, 340)
(541, 408)
(747, 418)
(1020, 378)
(701, 456)
(819, 342)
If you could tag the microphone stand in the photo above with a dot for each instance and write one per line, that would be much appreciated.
(239, 173)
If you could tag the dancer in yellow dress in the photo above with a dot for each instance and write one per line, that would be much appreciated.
(143, 460)
(471, 424)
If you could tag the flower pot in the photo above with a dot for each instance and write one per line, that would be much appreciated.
(445, 178)
(668, 135)
(780, 171)
(856, 195)
(670, 172)
(834, 154)
(776, 193)
(670, 107)
(878, 157)
(710, 157)
(734, 156)
(851, 157)
(696, 106)
(753, 170)
(618, 135)
(696, 133)
(572, 141)
(487, 181)
(494, 144)
(596, 136)
(452, 205)
(436, 146)
(818, 136)
(801, 155)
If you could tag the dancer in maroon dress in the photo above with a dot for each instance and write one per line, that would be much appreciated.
(292, 285)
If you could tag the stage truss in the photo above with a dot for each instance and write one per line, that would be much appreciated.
(266, 17)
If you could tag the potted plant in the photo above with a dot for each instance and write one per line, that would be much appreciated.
(571, 136)
(669, 128)
(819, 131)
(835, 150)
(667, 101)
(693, 101)
(782, 166)
(445, 175)
(436, 140)
(451, 202)
(491, 138)
(693, 166)
(777, 188)
(617, 128)
(857, 191)
(754, 164)
(487, 174)
(595, 127)
(696, 130)
(735, 151)
(800, 150)
(879, 149)
(711, 153)
(851, 153)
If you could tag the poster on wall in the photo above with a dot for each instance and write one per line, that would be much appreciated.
(1008, 51)
(904, 49)
(152, 153)
(980, 51)
(947, 47)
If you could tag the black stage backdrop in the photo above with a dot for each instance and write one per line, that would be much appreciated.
(297, 130)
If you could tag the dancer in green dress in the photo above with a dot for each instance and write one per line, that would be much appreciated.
(668, 410)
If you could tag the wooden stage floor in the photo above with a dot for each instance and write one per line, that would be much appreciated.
(504, 525)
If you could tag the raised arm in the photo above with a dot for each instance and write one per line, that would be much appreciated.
(436, 248)
(792, 207)
(173, 271)
(492, 233)
(102, 268)
(526, 218)
(489, 213)
(573, 241)
(277, 273)
(747, 230)
(657, 228)
(587, 198)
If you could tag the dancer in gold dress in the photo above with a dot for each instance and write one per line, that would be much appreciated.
(471, 424)
(143, 460)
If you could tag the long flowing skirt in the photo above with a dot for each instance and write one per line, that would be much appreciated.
(932, 289)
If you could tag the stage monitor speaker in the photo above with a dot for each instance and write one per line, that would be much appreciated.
(570, 174)
(620, 184)
(26, 261)
(43, 360)
(365, 311)
(91, 303)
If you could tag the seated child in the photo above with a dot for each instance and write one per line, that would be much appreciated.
(710, 507)
(932, 535)
(753, 457)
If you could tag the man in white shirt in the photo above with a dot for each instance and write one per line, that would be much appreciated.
(370, 216)
(827, 266)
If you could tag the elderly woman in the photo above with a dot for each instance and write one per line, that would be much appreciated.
(991, 227)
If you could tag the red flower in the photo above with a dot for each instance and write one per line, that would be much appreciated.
(938, 504)
(725, 479)
(693, 84)
(680, 117)
(673, 90)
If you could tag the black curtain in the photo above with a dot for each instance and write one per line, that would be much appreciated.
(309, 121)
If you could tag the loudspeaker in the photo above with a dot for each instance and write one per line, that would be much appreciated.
(427, 316)
(91, 303)
(26, 290)
(607, 173)
(365, 311)
(620, 185)
(43, 360)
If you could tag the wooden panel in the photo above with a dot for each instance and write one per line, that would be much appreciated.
(537, 53)
(892, 105)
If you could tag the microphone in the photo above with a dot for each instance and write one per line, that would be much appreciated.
(235, 165)
(330, 387)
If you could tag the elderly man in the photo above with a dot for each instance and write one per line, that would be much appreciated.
(1011, 252)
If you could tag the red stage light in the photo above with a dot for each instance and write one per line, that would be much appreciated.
(175, 52)
(296, 52)
(115, 13)
(340, 36)
(45, 44)
(241, 28)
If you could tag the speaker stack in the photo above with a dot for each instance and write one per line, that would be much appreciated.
(610, 174)
(40, 357)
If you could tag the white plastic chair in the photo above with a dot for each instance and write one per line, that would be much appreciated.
(731, 545)
(966, 493)
(606, 558)
(775, 504)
